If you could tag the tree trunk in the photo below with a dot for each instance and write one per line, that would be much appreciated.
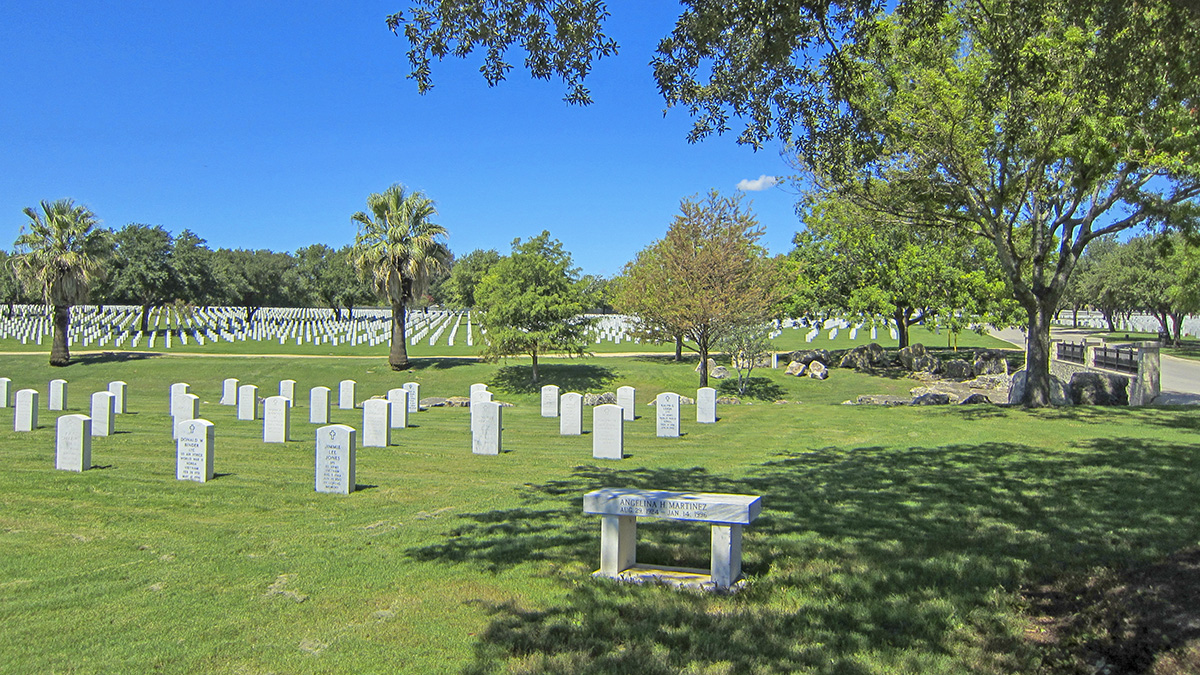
(60, 355)
(250, 311)
(1037, 355)
(534, 353)
(145, 318)
(337, 313)
(1108, 317)
(900, 318)
(1177, 334)
(703, 349)
(1075, 317)
(678, 348)
(398, 356)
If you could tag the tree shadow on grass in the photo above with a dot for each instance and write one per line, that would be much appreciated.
(440, 363)
(580, 377)
(760, 388)
(111, 357)
(865, 559)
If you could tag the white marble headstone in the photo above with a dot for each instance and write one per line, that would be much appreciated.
(335, 459)
(287, 389)
(627, 399)
(478, 386)
(486, 424)
(377, 424)
(6, 392)
(104, 409)
(414, 397)
(706, 405)
(73, 443)
(119, 388)
(178, 389)
(58, 395)
(277, 419)
(194, 448)
(550, 400)
(229, 391)
(346, 394)
(570, 419)
(247, 406)
(318, 405)
(25, 416)
(398, 397)
(666, 414)
(608, 431)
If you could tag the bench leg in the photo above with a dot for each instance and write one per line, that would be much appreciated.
(726, 554)
(618, 544)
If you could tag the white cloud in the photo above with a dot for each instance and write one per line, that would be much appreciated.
(757, 185)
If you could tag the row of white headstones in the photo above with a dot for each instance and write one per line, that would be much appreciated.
(335, 444)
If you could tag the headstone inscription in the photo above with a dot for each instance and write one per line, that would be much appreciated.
(25, 417)
(550, 400)
(58, 395)
(398, 398)
(627, 399)
(6, 392)
(706, 405)
(346, 394)
(229, 391)
(335, 459)
(247, 406)
(118, 389)
(486, 424)
(570, 420)
(414, 397)
(667, 415)
(318, 405)
(194, 447)
(104, 409)
(376, 423)
(277, 419)
(608, 431)
(73, 443)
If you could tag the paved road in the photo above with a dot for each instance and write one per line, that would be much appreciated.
(1180, 378)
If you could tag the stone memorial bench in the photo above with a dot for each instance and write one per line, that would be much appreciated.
(620, 509)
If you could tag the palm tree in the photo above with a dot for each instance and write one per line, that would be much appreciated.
(57, 258)
(399, 250)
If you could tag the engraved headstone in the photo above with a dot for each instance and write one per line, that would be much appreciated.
(570, 420)
(608, 431)
(335, 459)
(627, 399)
(178, 389)
(550, 400)
(287, 389)
(706, 405)
(104, 409)
(667, 415)
(247, 407)
(414, 397)
(486, 424)
(73, 443)
(377, 424)
(277, 419)
(318, 405)
(194, 448)
(118, 388)
(58, 395)
(25, 417)
(6, 392)
(398, 397)
(478, 386)
(346, 394)
(229, 391)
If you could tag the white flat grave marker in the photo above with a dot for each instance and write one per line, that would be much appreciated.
(25, 417)
(73, 443)
(194, 448)
(570, 420)
(486, 425)
(335, 459)
(277, 419)
(318, 405)
(666, 415)
(608, 431)
(706, 405)
(621, 507)
(104, 409)
(550, 400)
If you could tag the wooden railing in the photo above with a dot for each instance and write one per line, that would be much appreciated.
(1070, 351)
(1116, 358)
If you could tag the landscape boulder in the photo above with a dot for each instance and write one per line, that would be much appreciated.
(795, 368)
(859, 358)
(881, 399)
(1099, 389)
(719, 373)
(711, 364)
(931, 398)
(1060, 393)
(807, 356)
(818, 371)
(957, 369)
(975, 399)
(990, 362)
(599, 399)
(918, 359)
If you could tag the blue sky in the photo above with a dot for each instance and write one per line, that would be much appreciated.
(266, 125)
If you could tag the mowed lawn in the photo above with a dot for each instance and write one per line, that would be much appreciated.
(891, 539)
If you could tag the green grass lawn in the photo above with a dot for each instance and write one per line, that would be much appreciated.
(892, 540)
